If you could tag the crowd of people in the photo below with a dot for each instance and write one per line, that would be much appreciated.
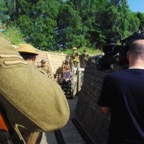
(23, 60)
(71, 63)
(77, 58)
(25, 90)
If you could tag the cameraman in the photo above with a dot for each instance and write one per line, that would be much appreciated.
(122, 96)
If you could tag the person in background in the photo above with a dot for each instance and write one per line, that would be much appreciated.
(29, 54)
(68, 58)
(122, 96)
(74, 60)
(65, 67)
(75, 57)
(84, 58)
(28, 100)
(44, 68)
(74, 51)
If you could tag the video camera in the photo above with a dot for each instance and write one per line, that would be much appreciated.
(117, 53)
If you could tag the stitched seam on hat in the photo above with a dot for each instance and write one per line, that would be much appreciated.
(10, 56)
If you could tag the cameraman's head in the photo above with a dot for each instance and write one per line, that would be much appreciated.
(135, 54)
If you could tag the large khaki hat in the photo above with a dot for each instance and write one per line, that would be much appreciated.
(74, 48)
(25, 102)
(27, 48)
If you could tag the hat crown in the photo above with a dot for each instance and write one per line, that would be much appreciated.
(74, 48)
(27, 48)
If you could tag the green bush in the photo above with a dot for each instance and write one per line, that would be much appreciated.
(14, 35)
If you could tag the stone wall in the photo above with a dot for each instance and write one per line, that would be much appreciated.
(87, 111)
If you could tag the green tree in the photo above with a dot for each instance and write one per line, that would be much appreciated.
(88, 10)
(126, 24)
(69, 27)
(6, 10)
(58, 24)
(37, 20)
(140, 16)
(116, 19)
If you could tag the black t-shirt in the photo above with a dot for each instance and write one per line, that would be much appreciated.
(123, 92)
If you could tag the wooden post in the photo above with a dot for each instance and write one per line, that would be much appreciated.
(72, 81)
(78, 77)
(50, 64)
(76, 81)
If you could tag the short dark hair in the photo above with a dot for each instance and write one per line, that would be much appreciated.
(43, 61)
(137, 48)
(27, 56)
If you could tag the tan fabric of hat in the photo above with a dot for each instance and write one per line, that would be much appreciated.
(74, 48)
(28, 97)
(27, 48)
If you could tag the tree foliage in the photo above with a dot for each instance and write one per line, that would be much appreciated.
(59, 24)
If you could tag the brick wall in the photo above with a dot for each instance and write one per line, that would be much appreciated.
(87, 111)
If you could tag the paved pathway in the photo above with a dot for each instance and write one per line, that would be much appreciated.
(69, 132)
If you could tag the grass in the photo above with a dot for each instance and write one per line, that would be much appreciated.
(14, 35)
(91, 51)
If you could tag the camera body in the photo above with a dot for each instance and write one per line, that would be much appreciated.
(117, 53)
